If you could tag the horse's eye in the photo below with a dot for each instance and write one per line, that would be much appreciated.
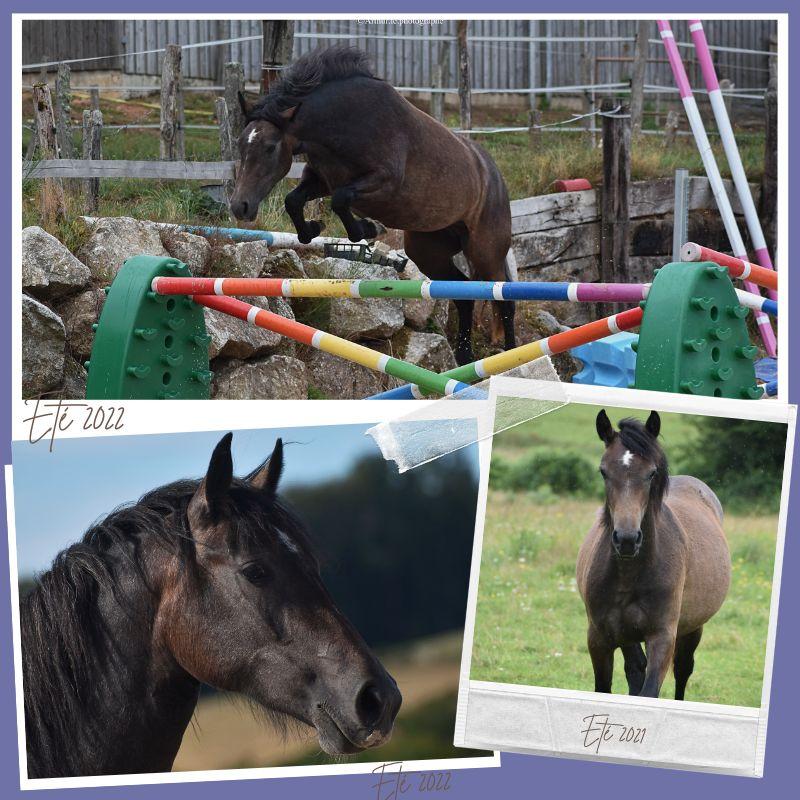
(652, 475)
(270, 148)
(255, 573)
(603, 473)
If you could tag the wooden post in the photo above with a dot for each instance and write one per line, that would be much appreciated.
(768, 202)
(172, 140)
(464, 84)
(615, 198)
(93, 150)
(534, 131)
(440, 77)
(532, 61)
(638, 74)
(226, 143)
(63, 109)
(587, 67)
(234, 83)
(94, 98)
(52, 202)
(671, 128)
(276, 49)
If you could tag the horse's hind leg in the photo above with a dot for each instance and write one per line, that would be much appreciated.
(433, 254)
(310, 187)
(635, 666)
(683, 663)
(487, 260)
(602, 656)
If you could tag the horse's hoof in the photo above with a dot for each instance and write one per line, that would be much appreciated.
(370, 229)
(311, 230)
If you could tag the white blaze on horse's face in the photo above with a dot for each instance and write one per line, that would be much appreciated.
(626, 459)
(251, 137)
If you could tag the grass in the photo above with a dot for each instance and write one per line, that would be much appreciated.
(530, 624)
(527, 170)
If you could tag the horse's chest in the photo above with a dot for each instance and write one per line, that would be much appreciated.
(622, 616)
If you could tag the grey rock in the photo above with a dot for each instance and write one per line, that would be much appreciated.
(428, 350)
(78, 314)
(192, 250)
(115, 239)
(273, 378)
(333, 378)
(75, 375)
(283, 263)
(234, 338)
(49, 270)
(43, 340)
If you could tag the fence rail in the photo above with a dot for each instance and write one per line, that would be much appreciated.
(120, 168)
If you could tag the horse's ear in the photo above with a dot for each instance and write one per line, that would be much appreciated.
(268, 477)
(605, 430)
(653, 424)
(213, 490)
(244, 105)
(288, 113)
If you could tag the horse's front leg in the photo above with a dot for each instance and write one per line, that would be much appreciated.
(311, 187)
(660, 649)
(369, 187)
(602, 655)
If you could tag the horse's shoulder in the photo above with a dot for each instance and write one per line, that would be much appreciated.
(688, 489)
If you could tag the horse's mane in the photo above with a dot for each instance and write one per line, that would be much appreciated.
(307, 74)
(64, 640)
(636, 438)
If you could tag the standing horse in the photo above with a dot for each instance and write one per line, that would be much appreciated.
(375, 153)
(655, 567)
(209, 581)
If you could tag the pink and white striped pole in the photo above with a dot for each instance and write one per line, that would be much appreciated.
(729, 143)
(712, 171)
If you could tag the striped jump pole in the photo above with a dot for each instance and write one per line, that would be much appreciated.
(415, 290)
(407, 289)
(328, 343)
(712, 171)
(516, 357)
(738, 267)
(731, 148)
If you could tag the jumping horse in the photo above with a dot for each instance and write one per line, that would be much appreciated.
(211, 581)
(377, 155)
(655, 567)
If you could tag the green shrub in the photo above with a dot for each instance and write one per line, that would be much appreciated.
(561, 473)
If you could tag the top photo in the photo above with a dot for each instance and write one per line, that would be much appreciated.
(355, 209)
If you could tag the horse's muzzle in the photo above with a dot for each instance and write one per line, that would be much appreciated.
(242, 209)
(627, 543)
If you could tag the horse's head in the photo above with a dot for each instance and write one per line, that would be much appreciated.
(635, 472)
(253, 616)
(265, 157)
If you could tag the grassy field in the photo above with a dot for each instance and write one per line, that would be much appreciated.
(530, 624)
(527, 170)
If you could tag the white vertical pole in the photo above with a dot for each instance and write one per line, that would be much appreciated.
(712, 171)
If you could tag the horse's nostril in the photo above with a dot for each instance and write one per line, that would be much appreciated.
(369, 704)
(638, 538)
(615, 538)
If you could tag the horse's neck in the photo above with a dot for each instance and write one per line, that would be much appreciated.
(138, 701)
(149, 695)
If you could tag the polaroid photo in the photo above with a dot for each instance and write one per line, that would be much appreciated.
(626, 571)
(275, 571)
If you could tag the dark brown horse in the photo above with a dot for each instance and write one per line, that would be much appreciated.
(377, 155)
(655, 567)
(209, 581)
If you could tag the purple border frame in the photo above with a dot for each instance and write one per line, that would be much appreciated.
(519, 775)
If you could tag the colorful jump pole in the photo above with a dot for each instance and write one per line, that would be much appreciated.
(502, 362)
(272, 238)
(737, 267)
(415, 290)
(712, 170)
(729, 143)
(357, 353)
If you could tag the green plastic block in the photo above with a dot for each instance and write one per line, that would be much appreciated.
(693, 339)
(148, 346)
